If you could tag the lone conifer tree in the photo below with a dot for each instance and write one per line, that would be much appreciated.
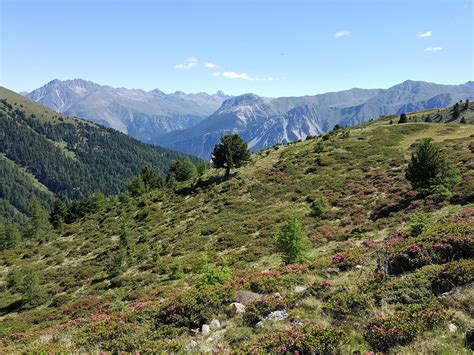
(429, 168)
(403, 118)
(231, 152)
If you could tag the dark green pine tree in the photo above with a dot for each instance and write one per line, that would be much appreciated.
(232, 152)
(403, 118)
(183, 170)
(456, 111)
(10, 235)
(39, 227)
(429, 168)
(150, 178)
(58, 215)
(33, 293)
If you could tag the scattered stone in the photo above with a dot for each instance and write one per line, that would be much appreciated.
(358, 267)
(300, 289)
(237, 308)
(276, 316)
(205, 329)
(193, 345)
(259, 325)
(217, 336)
(452, 327)
(215, 324)
(195, 330)
(277, 294)
(246, 297)
(333, 270)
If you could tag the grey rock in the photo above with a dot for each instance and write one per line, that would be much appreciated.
(205, 329)
(276, 316)
(246, 297)
(452, 327)
(192, 346)
(217, 336)
(215, 324)
(237, 308)
(300, 289)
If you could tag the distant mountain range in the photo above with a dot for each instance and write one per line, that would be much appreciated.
(194, 123)
(141, 114)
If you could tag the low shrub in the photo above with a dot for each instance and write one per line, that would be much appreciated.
(439, 243)
(194, 307)
(341, 304)
(426, 283)
(261, 308)
(400, 328)
(308, 338)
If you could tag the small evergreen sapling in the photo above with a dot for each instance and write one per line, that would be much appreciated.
(291, 241)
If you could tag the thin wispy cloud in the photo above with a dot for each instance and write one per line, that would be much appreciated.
(241, 76)
(210, 65)
(433, 49)
(188, 63)
(340, 34)
(425, 34)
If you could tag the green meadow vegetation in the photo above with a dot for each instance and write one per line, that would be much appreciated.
(355, 241)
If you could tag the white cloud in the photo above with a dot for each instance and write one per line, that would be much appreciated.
(210, 65)
(342, 34)
(433, 49)
(216, 73)
(242, 76)
(425, 34)
(188, 63)
(235, 75)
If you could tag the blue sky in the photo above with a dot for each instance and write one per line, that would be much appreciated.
(272, 48)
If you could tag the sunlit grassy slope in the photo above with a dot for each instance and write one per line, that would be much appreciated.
(360, 175)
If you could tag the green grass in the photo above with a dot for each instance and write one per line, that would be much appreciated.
(358, 176)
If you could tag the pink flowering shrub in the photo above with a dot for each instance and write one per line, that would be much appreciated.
(400, 328)
(441, 242)
(308, 338)
(347, 259)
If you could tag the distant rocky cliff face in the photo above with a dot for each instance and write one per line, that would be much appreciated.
(141, 114)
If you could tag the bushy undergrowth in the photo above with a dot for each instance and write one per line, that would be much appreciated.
(400, 328)
(439, 243)
(308, 338)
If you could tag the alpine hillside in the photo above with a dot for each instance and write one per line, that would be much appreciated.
(45, 154)
(343, 243)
